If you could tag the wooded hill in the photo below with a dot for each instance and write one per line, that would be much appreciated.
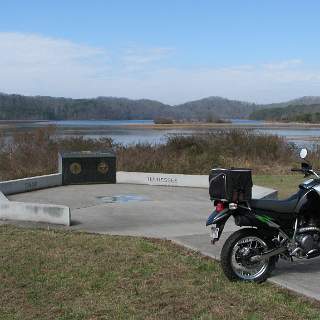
(303, 101)
(305, 109)
(299, 113)
(221, 107)
(18, 107)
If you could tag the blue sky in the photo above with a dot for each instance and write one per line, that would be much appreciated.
(173, 51)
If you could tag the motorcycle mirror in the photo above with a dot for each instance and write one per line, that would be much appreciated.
(303, 153)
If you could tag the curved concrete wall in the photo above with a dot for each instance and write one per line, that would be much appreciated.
(183, 180)
(163, 179)
(12, 210)
(31, 183)
(24, 211)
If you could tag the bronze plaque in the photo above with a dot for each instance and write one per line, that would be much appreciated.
(103, 167)
(75, 168)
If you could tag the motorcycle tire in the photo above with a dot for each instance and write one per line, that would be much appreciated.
(231, 259)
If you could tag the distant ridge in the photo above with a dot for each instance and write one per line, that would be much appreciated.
(222, 107)
(304, 109)
(19, 107)
(306, 100)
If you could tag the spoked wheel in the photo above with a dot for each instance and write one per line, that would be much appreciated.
(237, 252)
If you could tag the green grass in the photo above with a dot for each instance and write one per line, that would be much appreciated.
(49, 274)
(285, 184)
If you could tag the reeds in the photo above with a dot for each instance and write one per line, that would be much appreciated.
(35, 153)
(196, 154)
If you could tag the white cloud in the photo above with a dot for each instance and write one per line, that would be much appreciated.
(33, 64)
(37, 65)
(137, 55)
(36, 53)
(282, 65)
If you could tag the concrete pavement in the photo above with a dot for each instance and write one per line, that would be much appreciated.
(174, 213)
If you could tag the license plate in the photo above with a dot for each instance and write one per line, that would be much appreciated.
(214, 232)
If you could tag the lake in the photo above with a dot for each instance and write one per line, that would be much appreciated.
(133, 131)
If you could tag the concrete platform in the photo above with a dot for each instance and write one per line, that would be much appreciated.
(174, 213)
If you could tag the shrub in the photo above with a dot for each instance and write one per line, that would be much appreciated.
(35, 153)
(163, 121)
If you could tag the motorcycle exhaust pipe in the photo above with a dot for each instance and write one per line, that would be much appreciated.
(313, 253)
(268, 254)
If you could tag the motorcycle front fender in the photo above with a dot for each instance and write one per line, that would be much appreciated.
(218, 218)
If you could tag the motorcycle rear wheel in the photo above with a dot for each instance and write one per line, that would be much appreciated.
(236, 253)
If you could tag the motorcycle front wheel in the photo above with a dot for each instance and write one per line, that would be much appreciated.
(237, 251)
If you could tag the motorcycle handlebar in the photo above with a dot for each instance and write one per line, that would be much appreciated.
(296, 170)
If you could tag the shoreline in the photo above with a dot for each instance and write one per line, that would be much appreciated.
(265, 125)
(8, 124)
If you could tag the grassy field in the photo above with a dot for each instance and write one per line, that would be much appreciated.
(48, 274)
(285, 184)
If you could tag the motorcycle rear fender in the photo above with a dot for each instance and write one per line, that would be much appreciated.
(218, 217)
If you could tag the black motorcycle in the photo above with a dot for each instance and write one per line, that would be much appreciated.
(284, 229)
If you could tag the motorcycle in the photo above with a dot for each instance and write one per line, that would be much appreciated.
(274, 229)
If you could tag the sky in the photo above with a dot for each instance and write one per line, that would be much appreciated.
(169, 50)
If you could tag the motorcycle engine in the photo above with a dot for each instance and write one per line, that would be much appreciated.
(308, 235)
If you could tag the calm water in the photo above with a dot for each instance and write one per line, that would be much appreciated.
(245, 121)
(121, 131)
(93, 123)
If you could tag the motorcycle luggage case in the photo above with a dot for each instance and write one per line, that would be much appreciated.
(232, 185)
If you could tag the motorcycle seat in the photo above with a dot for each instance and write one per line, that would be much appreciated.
(280, 206)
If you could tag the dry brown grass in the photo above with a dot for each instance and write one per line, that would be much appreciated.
(35, 153)
(71, 275)
(198, 153)
(28, 154)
